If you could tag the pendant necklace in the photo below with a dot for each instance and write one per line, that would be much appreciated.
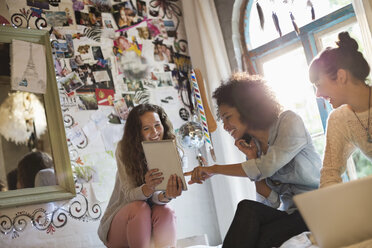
(369, 138)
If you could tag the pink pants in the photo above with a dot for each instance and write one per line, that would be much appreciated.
(133, 225)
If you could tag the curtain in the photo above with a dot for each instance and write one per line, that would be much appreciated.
(208, 53)
(363, 12)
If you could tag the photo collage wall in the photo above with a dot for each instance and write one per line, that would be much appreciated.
(109, 56)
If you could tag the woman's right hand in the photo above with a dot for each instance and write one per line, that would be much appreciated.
(199, 174)
(152, 178)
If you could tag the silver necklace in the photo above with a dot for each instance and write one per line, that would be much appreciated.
(369, 138)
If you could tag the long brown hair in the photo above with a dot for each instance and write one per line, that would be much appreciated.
(130, 145)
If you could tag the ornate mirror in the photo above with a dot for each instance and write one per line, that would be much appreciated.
(53, 140)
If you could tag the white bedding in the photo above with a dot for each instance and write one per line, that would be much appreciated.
(306, 240)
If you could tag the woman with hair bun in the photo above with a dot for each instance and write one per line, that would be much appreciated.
(339, 75)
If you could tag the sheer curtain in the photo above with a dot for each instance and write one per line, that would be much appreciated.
(363, 12)
(208, 53)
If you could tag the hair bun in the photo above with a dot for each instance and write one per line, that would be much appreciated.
(346, 42)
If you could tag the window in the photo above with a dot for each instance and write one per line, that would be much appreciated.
(284, 60)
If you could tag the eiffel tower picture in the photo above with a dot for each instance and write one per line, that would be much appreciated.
(30, 78)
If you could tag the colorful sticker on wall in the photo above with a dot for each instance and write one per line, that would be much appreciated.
(105, 97)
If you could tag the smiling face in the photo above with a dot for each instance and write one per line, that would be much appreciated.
(330, 90)
(231, 121)
(152, 128)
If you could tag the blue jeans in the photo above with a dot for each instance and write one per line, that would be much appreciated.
(257, 225)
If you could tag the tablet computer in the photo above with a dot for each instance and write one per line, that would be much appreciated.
(163, 155)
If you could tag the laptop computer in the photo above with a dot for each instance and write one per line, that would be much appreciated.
(339, 215)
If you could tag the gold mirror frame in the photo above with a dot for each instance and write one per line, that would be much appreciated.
(66, 186)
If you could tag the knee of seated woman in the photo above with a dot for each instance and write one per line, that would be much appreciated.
(247, 204)
(140, 206)
(162, 210)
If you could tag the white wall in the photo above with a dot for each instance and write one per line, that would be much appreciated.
(77, 224)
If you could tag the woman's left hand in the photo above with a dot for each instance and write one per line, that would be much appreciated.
(174, 187)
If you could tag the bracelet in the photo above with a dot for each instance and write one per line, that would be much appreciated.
(169, 199)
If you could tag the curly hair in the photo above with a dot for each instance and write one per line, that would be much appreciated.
(252, 97)
(30, 165)
(130, 145)
(345, 56)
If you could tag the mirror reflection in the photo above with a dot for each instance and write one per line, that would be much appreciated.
(25, 150)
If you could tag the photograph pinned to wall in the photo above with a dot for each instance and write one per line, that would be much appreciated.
(73, 64)
(121, 109)
(183, 62)
(144, 33)
(105, 97)
(157, 28)
(70, 46)
(68, 8)
(28, 67)
(102, 77)
(129, 99)
(133, 85)
(163, 52)
(71, 83)
(102, 5)
(180, 79)
(170, 28)
(141, 8)
(83, 49)
(56, 18)
(87, 99)
(108, 21)
(95, 19)
(122, 43)
(125, 14)
(97, 52)
(82, 18)
(164, 79)
(79, 60)
(85, 73)
(41, 4)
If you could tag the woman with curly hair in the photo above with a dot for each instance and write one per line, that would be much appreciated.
(136, 213)
(340, 76)
(281, 160)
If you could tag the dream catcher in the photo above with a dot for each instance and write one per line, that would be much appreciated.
(275, 17)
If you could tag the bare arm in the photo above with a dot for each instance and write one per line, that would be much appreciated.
(200, 174)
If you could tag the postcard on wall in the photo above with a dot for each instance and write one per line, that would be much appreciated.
(87, 99)
(28, 67)
(105, 96)
(71, 83)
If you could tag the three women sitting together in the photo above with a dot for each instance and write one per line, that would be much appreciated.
(281, 158)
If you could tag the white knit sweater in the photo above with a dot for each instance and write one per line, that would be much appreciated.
(344, 135)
